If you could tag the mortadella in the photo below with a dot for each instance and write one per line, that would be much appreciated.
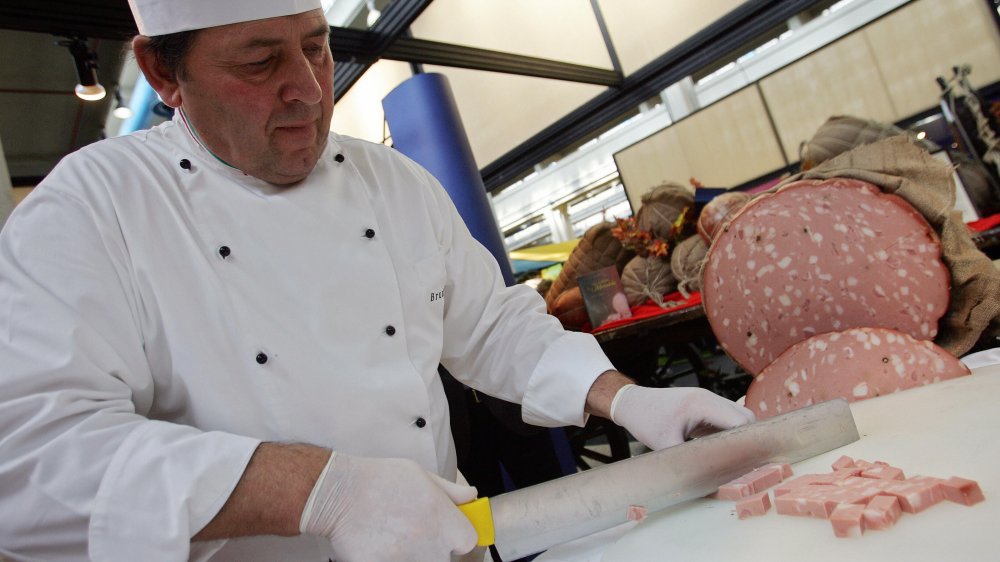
(819, 256)
(854, 364)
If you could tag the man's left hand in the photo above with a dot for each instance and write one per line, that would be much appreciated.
(663, 417)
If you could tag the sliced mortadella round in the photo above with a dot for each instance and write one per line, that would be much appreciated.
(854, 364)
(819, 256)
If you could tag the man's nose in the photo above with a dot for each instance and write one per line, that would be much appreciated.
(301, 84)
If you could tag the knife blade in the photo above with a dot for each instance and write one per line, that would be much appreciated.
(532, 519)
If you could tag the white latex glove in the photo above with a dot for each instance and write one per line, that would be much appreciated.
(388, 509)
(664, 417)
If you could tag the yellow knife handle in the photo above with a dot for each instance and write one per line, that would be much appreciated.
(479, 513)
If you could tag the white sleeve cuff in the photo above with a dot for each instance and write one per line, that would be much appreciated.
(163, 485)
(558, 388)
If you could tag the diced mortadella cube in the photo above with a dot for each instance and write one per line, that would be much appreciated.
(754, 482)
(804, 480)
(932, 483)
(873, 483)
(859, 494)
(734, 490)
(767, 476)
(961, 490)
(806, 501)
(793, 503)
(843, 462)
(882, 512)
(838, 475)
(884, 473)
(848, 520)
(916, 494)
(636, 513)
(860, 463)
(757, 504)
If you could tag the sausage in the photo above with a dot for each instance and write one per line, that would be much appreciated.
(854, 364)
(570, 309)
(819, 256)
(718, 210)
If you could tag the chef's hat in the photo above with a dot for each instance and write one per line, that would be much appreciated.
(160, 17)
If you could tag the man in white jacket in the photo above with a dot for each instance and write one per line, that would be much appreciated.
(229, 326)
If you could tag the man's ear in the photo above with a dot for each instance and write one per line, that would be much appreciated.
(164, 82)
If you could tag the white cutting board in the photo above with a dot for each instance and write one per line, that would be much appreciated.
(947, 429)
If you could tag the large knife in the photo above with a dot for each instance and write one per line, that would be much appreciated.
(535, 518)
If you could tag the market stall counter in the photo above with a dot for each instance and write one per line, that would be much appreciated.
(633, 344)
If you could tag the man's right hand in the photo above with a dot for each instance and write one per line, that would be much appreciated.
(388, 509)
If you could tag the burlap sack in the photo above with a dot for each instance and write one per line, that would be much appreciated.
(647, 278)
(841, 133)
(898, 166)
(687, 263)
(661, 207)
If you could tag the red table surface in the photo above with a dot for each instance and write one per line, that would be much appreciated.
(649, 309)
(985, 224)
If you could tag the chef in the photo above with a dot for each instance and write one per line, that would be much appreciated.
(219, 338)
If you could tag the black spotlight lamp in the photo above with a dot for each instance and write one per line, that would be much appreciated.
(86, 69)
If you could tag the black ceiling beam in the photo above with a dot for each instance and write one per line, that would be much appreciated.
(352, 45)
(98, 19)
(408, 49)
(355, 46)
(112, 19)
(394, 22)
(740, 26)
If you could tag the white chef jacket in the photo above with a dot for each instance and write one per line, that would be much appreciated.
(161, 314)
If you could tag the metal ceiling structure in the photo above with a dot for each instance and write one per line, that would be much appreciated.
(93, 19)
(356, 50)
(723, 37)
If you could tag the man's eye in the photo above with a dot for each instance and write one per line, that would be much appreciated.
(260, 63)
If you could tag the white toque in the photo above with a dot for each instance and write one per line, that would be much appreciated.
(160, 17)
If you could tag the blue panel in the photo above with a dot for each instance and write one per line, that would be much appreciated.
(141, 102)
(703, 195)
(425, 125)
(524, 266)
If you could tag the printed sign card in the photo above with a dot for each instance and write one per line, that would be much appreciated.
(604, 296)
